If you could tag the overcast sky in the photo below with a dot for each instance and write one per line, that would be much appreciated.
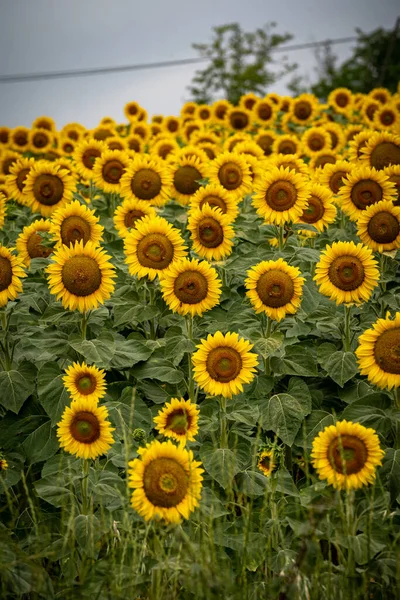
(51, 35)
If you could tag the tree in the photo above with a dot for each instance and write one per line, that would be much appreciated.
(239, 63)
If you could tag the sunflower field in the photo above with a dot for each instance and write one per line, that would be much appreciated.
(200, 353)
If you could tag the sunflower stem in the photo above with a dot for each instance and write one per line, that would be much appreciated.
(152, 321)
(224, 435)
(347, 333)
(267, 334)
(5, 321)
(281, 239)
(85, 481)
(85, 318)
(189, 332)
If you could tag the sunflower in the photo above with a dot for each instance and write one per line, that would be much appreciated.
(304, 109)
(265, 139)
(171, 125)
(81, 276)
(322, 158)
(73, 131)
(341, 100)
(211, 232)
(275, 288)
(4, 136)
(166, 482)
(382, 150)
(132, 110)
(216, 197)
(281, 196)
(29, 243)
(203, 113)
(19, 139)
(211, 150)
(189, 151)
(44, 123)
(48, 187)
(190, 287)
(85, 155)
(85, 382)
(320, 210)
(66, 146)
(102, 133)
(178, 420)
(363, 187)
(152, 246)
(16, 179)
(163, 147)
(380, 94)
(3, 463)
(249, 148)
(287, 144)
(379, 351)
(223, 363)
(347, 273)
(379, 226)
(147, 179)
(332, 176)
(346, 455)
(109, 169)
(338, 139)
(266, 462)
(315, 139)
(368, 109)
(290, 161)
(232, 172)
(357, 143)
(387, 117)
(129, 213)
(75, 222)
(264, 111)
(204, 136)
(219, 109)
(7, 159)
(238, 118)
(134, 143)
(393, 173)
(11, 272)
(248, 100)
(40, 140)
(3, 209)
(187, 174)
(141, 130)
(233, 140)
(84, 429)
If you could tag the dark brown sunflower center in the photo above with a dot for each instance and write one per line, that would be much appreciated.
(48, 189)
(21, 177)
(191, 287)
(385, 154)
(365, 193)
(336, 181)
(210, 232)
(155, 251)
(214, 202)
(89, 157)
(387, 351)
(334, 139)
(81, 275)
(85, 427)
(383, 228)
(342, 100)
(209, 151)
(387, 117)
(220, 111)
(281, 195)
(238, 120)
(164, 150)
(230, 176)
(249, 103)
(316, 142)
(134, 145)
(35, 248)
(347, 454)
(132, 109)
(146, 184)
(265, 462)
(132, 216)
(346, 273)
(302, 110)
(178, 421)
(165, 482)
(86, 384)
(68, 147)
(224, 364)
(8, 163)
(186, 180)
(371, 110)
(264, 112)
(73, 229)
(275, 288)
(112, 171)
(5, 273)
(204, 114)
(324, 159)
(265, 142)
(315, 210)
(173, 126)
(40, 140)
(21, 138)
(287, 147)
(4, 136)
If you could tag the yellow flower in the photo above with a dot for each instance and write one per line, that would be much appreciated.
(81, 276)
(320, 210)
(171, 125)
(363, 187)
(85, 155)
(264, 112)
(40, 140)
(316, 139)
(238, 118)
(379, 226)
(3, 209)
(287, 144)
(4, 137)
(215, 196)
(166, 481)
(11, 272)
(322, 158)
(265, 139)
(44, 123)
(19, 139)
(231, 171)
(211, 232)
(163, 147)
(248, 100)
(132, 111)
(266, 462)
(275, 288)
(17, 177)
(332, 175)
(85, 382)
(129, 213)
(303, 110)
(3, 464)
(190, 287)
(48, 187)
(109, 168)
(84, 429)
(7, 159)
(218, 110)
(288, 161)
(382, 150)
(147, 179)
(75, 222)
(341, 100)
(393, 173)
(347, 273)
(387, 117)
(223, 363)
(186, 174)
(29, 242)
(346, 455)
(178, 420)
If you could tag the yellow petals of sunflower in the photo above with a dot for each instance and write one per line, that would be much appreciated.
(178, 419)
(85, 382)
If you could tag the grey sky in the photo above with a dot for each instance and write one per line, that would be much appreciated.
(51, 35)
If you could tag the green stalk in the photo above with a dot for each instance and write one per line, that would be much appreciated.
(189, 333)
(281, 240)
(267, 360)
(85, 481)
(85, 318)
(152, 321)
(5, 325)
(347, 333)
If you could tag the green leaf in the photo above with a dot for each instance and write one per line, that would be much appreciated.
(252, 483)
(220, 463)
(341, 366)
(267, 346)
(134, 313)
(298, 360)
(390, 471)
(284, 415)
(39, 344)
(368, 414)
(16, 386)
(160, 369)
(313, 424)
(177, 347)
(88, 531)
(57, 495)
(51, 391)
(41, 444)
(129, 352)
(99, 351)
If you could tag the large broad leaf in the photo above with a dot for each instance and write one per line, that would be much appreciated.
(57, 494)
(313, 424)
(284, 415)
(129, 352)
(160, 369)
(340, 366)
(40, 344)
(298, 360)
(390, 471)
(133, 313)
(221, 463)
(51, 391)
(41, 444)
(16, 386)
(369, 414)
(99, 351)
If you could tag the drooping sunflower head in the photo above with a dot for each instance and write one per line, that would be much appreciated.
(320, 210)
(48, 187)
(178, 420)
(266, 462)
(382, 150)
(275, 288)
(152, 246)
(346, 455)
(231, 171)
(211, 232)
(332, 176)
(109, 169)
(16, 179)
(223, 363)
(363, 187)
(11, 273)
(287, 144)
(379, 226)
(30, 244)
(84, 430)
(85, 155)
(281, 196)
(215, 196)
(75, 222)
(347, 273)
(81, 276)
(85, 382)
(190, 287)
(129, 213)
(147, 179)
(187, 174)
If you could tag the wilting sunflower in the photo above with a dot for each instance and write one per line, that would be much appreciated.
(281, 196)
(84, 429)
(346, 455)
(320, 210)
(85, 382)
(223, 363)
(29, 243)
(363, 187)
(215, 196)
(40, 141)
(265, 139)
(315, 139)
(211, 232)
(382, 150)
(11, 272)
(187, 174)
(48, 187)
(190, 287)
(19, 139)
(166, 482)
(128, 213)
(379, 226)
(332, 176)
(75, 222)
(17, 177)
(85, 155)
(152, 246)
(378, 353)
(147, 179)
(275, 288)
(232, 172)
(287, 144)
(81, 276)
(266, 462)
(347, 273)
(178, 420)
(109, 169)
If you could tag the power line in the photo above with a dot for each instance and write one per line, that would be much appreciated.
(153, 65)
